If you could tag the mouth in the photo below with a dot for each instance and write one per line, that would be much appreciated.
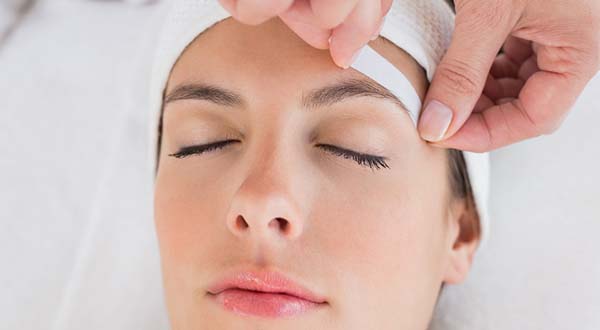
(265, 294)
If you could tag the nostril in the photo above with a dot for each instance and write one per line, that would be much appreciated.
(240, 222)
(283, 224)
(279, 224)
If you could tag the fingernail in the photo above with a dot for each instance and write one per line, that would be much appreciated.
(435, 121)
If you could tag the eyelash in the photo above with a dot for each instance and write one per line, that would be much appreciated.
(200, 149)
(371, 161)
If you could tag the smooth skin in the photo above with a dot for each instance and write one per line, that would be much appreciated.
(478, 100)
(377, 243)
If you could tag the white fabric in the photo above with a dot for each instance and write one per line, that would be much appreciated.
(376, 67)
(10, 11)
(422, 28)
(77, 243)
(63, 161)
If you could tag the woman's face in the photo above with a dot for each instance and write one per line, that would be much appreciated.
(310, 171)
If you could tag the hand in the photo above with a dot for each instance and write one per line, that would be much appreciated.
(349, 23)
(551, 49)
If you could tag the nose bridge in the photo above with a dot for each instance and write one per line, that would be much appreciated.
(269, 198)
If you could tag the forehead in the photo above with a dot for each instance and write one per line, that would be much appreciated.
(271, 58)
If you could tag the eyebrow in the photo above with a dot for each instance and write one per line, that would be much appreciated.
(211, 93)
(320, 97)
(346, 89)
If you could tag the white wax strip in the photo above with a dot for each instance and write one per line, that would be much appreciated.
(376, 67)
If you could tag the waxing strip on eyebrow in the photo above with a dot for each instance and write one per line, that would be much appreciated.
(376, 67)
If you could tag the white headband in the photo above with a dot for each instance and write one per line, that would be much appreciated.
(422, 28)
(376, 67)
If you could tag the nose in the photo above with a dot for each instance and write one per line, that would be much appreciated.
(267, 203)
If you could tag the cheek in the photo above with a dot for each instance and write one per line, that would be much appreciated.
(187, 210)
(391, 228)
(388, 242)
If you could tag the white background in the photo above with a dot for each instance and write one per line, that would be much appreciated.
(77, 247)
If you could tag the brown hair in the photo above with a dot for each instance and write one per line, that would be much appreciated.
(460, 189)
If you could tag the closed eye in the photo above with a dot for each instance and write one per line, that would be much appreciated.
(371, 161)
(202, 148)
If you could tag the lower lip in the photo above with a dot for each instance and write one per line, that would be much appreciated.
(264, 304)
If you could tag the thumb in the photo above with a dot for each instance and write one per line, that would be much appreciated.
(461, 75)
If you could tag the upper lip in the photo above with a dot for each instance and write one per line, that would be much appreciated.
(264, 281)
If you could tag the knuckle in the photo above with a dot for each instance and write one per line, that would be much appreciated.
(478, 14)
(550, 126)
(507, 127)
(490, 140)
(533, 128)
(544, 124)
(560, 59)
(460, 77)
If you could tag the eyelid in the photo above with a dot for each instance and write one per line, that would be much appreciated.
(367, 160)
(202, 148)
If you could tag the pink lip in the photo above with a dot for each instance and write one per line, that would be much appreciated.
(264, 293)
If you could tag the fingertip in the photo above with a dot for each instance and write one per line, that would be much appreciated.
(342, 56)
(311, 34)
(300, 18)
(352, 35)
(345, 61)
(255, 12)
(435, 121)
(331, 13)
(229, 5)
(379, 28)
